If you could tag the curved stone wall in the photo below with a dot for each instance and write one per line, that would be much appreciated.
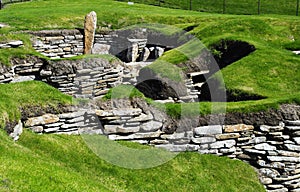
(272, 150)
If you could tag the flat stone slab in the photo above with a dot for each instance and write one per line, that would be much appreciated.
(208, 130)
(238, 128)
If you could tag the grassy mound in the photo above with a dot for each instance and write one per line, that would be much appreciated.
(271, 71)
(64, 163)
(28, 94)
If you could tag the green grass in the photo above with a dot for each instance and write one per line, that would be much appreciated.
(245, 7)
(271, 71)
(64, 163)
(32, 93)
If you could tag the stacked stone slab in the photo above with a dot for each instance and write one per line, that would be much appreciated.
(58, 43)
(86, 78)
(11, 44)
(66, 123)
(272, 150)
(21, 69)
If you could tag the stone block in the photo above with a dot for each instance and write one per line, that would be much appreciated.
(173, 148)
(208, 130)
(228, 136)
(283, 159)
(255, 151)
(204, 140)
(292, 147)
(265, 147)
(151, 126)
(37, 129)
(266, 128)
(223, 144)
(42, 120)
(238, 128)
(173, 136)
(292, 128)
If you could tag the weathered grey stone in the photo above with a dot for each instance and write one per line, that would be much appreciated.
(297, 133)
(17, 131)
(265, 180)
(146, 54)
(109, 129)
(52, 129)
(151, 126)
(265, 147)
(159, 51)
(223, 144)
(143, 117)
(277, 165)
(37, 129)
(293, 183)
(284, 159)
(71, 115)
(128, 129)
(287, 178)
(293, 128)
(293, 123)
(208, 151)
(100, 48)
(270, 173)
(44, 73)
(258, 140)
(275, 186)
(238, 128)
(15, 43)
(136, 136)
(297, 140)
(254, 151)
(181, 141)
(159, 142)
(42, 120)
(74, 125)
(54, 125)
(266, 128)
(204, 140)
(228, 136)
(173, 148)
(127, 112)
(292, 147)
(279, 190)
(173, 136)
(227, 151)
(89, 31)
(208, 130)
(191, 147)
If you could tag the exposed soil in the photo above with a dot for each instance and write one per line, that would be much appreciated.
(227, 52)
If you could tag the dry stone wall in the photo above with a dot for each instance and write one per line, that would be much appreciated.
(57, 44)
(83, 78)
(273, 150)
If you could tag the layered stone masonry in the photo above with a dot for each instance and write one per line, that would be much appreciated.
(57, 44)
(273, 150)
(85, 78)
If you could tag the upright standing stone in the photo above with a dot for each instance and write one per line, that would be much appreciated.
(89, 31)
